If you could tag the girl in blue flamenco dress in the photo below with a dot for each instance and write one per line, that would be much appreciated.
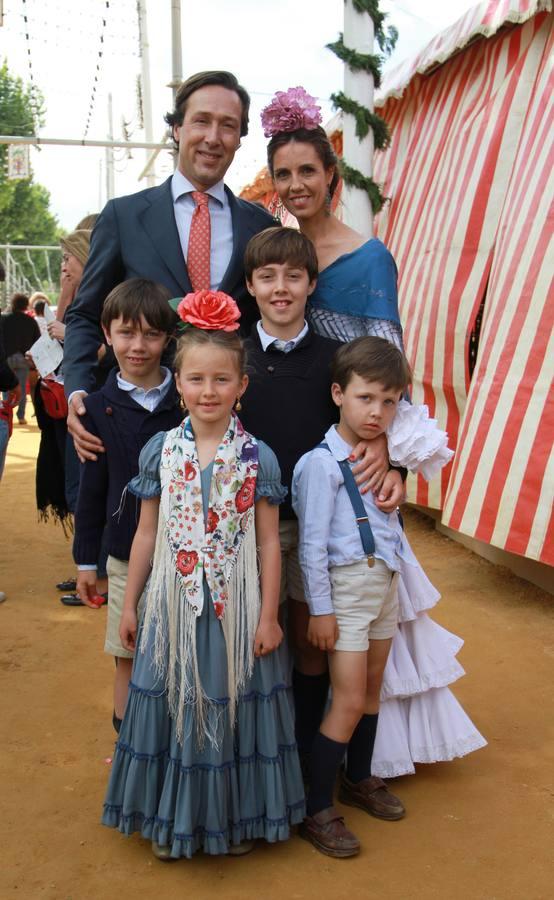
(206, 757)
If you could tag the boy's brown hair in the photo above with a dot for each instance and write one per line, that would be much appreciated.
(374, 359)
(140, 297)
(277, 246)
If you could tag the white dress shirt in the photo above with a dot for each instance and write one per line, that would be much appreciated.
(221, 223)
(328, 534)
(149, 399)
(267, 340)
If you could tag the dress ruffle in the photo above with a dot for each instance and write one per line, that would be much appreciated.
(420, 720)
(175, 796)
(416, 442)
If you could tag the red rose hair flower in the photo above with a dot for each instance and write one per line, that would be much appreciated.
(210, 310)
(245, 495)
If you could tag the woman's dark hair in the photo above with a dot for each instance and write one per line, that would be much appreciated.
(19, 302)
(374, 359)
(205, 79)
(319, 141)
(278, 246)
(140, 297)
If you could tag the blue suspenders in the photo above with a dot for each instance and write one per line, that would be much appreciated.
(362, 521)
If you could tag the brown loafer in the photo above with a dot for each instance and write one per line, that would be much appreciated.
(328, 833)
(372, 795)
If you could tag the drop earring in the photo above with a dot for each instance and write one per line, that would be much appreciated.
(238, 405)
(328, 199)
(182, 403)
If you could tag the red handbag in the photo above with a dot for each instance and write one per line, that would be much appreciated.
(53, 398)
(6, 413)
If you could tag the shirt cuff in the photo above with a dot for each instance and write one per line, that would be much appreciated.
(320, 606)
(72, 394)
(87, 568)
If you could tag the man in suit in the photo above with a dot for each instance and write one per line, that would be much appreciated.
(147, 234)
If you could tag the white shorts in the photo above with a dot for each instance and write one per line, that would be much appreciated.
(117, 570)
(366, 603)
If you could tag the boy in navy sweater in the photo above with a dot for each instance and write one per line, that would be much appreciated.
(136, 403)
(288, 405)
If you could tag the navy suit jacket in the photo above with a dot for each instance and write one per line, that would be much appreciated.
(136, 237)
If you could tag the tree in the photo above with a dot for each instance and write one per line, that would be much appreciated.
(25, 216)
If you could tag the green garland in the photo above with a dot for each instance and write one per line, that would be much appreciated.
(364, 120)
(360, 62)
(354, 178)
(386, 38)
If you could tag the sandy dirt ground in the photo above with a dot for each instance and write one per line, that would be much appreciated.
(479, 827)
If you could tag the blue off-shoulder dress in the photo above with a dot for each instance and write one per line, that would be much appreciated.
(357, 295)
(191, 797)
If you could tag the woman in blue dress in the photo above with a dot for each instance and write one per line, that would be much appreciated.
(356, 294)
(206, 757)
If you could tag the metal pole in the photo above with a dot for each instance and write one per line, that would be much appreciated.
(35, 140)
(358, 35)
(176, 49)
(176, 57)
(146, 93)
(100, 203)
(109, 154)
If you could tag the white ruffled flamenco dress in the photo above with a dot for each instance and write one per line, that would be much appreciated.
(420, 720)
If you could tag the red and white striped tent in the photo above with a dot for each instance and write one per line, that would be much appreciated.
(470, 173)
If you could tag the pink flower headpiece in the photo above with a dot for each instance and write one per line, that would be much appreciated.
(210, 310)
(290, 110)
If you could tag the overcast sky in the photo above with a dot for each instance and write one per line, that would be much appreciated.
(269, 44)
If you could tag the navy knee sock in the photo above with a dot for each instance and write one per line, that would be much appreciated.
(360, 748)
(326, 758)
(310, 696)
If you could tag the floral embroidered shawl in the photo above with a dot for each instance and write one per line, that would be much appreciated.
(222, 550)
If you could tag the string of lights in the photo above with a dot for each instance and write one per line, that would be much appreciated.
(32, 85)
(97, 73)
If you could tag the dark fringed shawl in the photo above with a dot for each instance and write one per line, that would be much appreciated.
(50, 474)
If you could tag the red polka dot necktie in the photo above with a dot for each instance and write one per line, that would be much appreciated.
(198, 253)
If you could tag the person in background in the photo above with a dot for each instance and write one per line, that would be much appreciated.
(38, 301)
(20, 333)
(10, 384)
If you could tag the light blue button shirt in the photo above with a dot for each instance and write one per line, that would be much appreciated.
(221, 223)
(267, 340)
(327, 531)
(149, 399)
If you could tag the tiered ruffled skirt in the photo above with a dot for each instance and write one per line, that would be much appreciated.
(420, 720)
(190, 796)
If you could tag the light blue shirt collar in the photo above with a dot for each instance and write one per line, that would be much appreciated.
(266, 339)
(181, 185)
(337, 445)
(158, 391)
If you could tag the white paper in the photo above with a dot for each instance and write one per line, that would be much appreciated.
(47, 354)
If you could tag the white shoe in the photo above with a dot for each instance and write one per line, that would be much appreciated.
(162, 852)
(2, 596)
